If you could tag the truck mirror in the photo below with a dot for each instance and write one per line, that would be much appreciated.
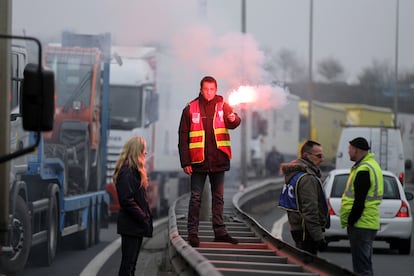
(37, 98)
(153, 114)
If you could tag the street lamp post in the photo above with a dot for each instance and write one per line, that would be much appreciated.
(397, 12)
(243, 157)
(310, 94)
(5, 28)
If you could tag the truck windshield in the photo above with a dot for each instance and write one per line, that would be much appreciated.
(126, 107)
(70, 71)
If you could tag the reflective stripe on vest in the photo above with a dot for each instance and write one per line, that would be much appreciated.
(349, 193)
(197, 133)
(370, 217)
(221, 132)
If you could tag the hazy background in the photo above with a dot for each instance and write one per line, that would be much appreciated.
(354, 32)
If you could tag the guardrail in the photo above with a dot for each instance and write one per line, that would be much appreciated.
(184, 258)
(249, 257)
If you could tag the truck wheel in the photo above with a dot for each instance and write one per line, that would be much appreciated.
(47, 250)
(21, 239)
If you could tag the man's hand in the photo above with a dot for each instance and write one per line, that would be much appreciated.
(322, 245)
(188, 170)
(231, 117)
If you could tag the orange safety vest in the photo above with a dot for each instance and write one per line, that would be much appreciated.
(197, 132)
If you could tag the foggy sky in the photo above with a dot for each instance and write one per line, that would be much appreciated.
(355, 32)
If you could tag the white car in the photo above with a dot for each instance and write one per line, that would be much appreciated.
(396, 219)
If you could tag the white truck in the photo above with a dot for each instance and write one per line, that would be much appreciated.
(267, 128)
(405, 121)
(385, 143)
(135, 83)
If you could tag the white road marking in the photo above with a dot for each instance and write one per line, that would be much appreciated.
(95, 265)
(277, 228)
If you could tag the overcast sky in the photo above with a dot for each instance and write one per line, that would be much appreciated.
(355, 31)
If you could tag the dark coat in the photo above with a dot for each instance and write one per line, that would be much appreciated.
(135, 218)
(313, 214)
(215, 159)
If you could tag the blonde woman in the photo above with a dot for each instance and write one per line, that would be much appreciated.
(134, 219)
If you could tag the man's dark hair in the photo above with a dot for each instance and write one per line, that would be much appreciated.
(307, 146)
(207, 79)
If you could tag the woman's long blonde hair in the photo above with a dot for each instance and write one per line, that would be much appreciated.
(133, 155)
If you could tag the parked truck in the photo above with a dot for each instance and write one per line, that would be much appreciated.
(325, 127)
(81, 67)
(405, 122)
(385, 143)
(366, 115)
(267, 129)
(328, 119)
(43, 210)
(134, 101)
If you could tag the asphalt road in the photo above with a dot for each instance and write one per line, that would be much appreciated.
(104, 258)
(154, 254)
(386, 262)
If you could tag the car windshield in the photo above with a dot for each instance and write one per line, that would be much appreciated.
(390, 186)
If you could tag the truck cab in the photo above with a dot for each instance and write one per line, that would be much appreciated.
(134, 111)
(40, 211)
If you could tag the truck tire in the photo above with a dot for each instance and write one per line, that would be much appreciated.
(21, 239)
(47, 250)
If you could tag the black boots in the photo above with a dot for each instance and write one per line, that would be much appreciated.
(193, 240)
(226, 238)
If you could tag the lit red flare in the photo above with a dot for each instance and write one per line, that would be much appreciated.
(244, 94)
(258, 97)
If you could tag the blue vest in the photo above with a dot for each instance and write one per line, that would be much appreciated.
(288, 196)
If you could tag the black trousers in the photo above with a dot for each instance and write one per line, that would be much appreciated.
(305, 243)
(217, 190)
(130, 247)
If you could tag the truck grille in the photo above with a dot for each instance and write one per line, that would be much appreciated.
(112, 157)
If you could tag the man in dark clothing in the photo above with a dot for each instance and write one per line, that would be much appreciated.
(204, 147)
(359, 207)
(273, 161)
(304, 200)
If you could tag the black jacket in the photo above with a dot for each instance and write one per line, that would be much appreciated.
(215, 159)
(135, 218)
